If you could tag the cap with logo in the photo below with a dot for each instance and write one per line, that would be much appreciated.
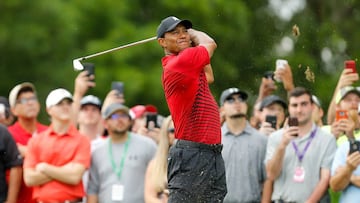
(112, 108)
(169, 24)
(231, 91)
(91, 100)
(56, 96)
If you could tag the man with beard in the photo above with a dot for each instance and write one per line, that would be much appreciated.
(118, 166)
(244, 149)
(298, 158)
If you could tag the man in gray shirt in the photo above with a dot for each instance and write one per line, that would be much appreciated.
(299, 157)
(243, 151)
(118, 165)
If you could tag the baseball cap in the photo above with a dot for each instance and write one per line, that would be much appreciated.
(112, 108)
(267, 101)
(56, 96)
(91, 100)
(345, 91)
(231, 91)
(316, 101)
(139, 110)
(169, 24)
(14, 93)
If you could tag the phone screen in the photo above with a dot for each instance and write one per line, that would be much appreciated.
(341, 114)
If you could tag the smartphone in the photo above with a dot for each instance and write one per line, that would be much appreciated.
(280, 64)
(354, 146)
(151, 117)
(90, 68)
(350, 64)
(340, 114)
(272, 120)
(269, 75)
(293, 121)
(117, 85)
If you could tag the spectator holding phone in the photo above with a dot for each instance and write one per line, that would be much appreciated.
(345, 170)
(300, 165)
(244, 148)
(273, 109)
(185, 77)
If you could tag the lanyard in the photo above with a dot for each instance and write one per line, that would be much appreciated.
(302, 154)
(118, 170)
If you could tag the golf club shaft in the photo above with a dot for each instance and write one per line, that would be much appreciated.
(118, 48)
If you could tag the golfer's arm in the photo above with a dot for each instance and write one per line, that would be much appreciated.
(209, 74)
(274, 165)
(35, 178)
(321, 187)
(201, 38)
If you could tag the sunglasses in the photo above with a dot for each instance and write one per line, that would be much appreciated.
(26, 100)
(117, 116)
(232, 99)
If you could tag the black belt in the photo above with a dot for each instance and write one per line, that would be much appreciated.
(190, 144)
(63, 201)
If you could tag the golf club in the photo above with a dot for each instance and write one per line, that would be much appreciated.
(78, 66)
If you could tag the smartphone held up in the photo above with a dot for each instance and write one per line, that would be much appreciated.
(293, 121)
(280, 64)
(350, 64)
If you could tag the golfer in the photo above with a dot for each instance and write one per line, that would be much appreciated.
(196, 170)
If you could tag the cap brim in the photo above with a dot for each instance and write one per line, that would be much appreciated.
(186, 23)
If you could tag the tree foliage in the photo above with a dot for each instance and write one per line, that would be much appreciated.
(39, 39)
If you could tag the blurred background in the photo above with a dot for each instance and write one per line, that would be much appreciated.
(39, 40)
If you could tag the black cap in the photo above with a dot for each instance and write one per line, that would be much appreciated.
(231, 91)
(169, 24)
(267, 101)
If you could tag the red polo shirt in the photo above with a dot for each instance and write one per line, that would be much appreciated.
(21, 136)
(58, 150)
(193, 108)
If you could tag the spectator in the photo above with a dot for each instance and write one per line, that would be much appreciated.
(140, 113)
(156, 174)
(244, 148)
(10, 159)
(300, 170)
(318, 111)
(345, 169)
(186, 76)
(26, 107)
(347, 99)
(347, 78)
(121, 177)
(272, 105)
(90, 121)
(6, 117)
(58, 157)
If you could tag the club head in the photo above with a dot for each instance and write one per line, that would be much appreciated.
(77, 65)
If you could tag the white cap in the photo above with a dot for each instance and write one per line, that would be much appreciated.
(56, 96)
(14, 93)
